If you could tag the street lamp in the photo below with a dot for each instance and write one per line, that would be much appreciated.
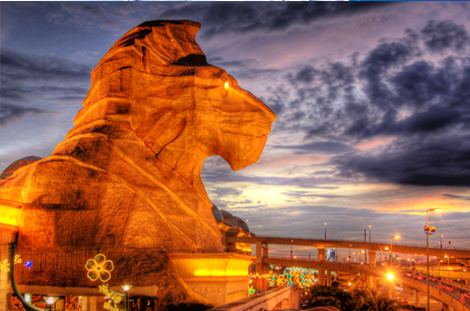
(441, 240)
(50, 301)
(391, 245)
(428, 231)
(126, 288)
(370, 233)
(325, 230)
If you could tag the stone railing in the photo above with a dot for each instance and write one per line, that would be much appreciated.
(287, 297)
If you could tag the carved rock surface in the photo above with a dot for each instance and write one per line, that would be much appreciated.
(127, 176)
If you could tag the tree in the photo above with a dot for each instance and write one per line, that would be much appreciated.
(356, 300)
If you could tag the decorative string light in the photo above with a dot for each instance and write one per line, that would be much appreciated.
(5, 264)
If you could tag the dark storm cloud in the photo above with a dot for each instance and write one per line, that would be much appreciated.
(454, 196)
(21, 92)
(377, 64)
(439, 36)
(18, 66)
(11, 113)
(305, 75)
(92, 16)
(241, 17)
(421, 161)
(396, 90)
(325, 147)
(31, 79)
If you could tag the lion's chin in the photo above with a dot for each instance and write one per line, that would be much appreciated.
(243, 157)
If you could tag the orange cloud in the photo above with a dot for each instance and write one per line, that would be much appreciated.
(374, 143)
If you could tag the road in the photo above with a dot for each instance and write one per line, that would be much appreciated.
(447, 287)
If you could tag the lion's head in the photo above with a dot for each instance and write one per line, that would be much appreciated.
(156, 79)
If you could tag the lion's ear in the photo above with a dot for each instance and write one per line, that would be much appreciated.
(159, 130)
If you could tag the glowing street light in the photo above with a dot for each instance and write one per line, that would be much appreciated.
(428, 231)
(391, 245)
(325, 230)
(390, 276)
(126, 288)
(50, 301)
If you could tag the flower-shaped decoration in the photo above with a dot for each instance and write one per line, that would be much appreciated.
(5, 265)
(99, 268)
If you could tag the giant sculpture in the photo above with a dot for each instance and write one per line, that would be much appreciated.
(127, 177)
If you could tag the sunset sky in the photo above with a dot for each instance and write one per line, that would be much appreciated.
(372, 104)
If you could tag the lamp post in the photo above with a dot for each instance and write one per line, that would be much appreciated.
(325, 230)
(126, 288)
(441, 240)
(428, 231)
(370, 233)
(50, 301)
(392, 237)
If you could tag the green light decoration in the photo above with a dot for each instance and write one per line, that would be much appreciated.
(304, 278)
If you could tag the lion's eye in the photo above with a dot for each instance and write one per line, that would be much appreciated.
(226, 85)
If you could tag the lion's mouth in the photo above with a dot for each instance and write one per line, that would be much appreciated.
(250, 129)
(243, 134)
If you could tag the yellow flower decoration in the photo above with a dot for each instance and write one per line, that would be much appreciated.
(99, 268)
(5, 265)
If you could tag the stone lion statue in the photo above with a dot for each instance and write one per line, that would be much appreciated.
(127, 176)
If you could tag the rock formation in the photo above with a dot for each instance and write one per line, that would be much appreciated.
(127, 177)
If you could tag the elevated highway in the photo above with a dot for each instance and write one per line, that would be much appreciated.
(401, 249)
(374, 272)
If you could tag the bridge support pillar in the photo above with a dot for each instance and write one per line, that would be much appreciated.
(321, 277)
(259, 259)
(328, 277)
(416, 294)
(321, 252)
(371, 281)
(445, 307)
(261, 252)
(372, 258)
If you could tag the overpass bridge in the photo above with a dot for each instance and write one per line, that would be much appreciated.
(372, 247)
(373, 275)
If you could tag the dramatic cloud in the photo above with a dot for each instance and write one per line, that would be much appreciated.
(18, 66)
(243, 18)
(454, 196)
(421, 161)
(397, 90)
(326, 147)
(12, 113)
(439, 36)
